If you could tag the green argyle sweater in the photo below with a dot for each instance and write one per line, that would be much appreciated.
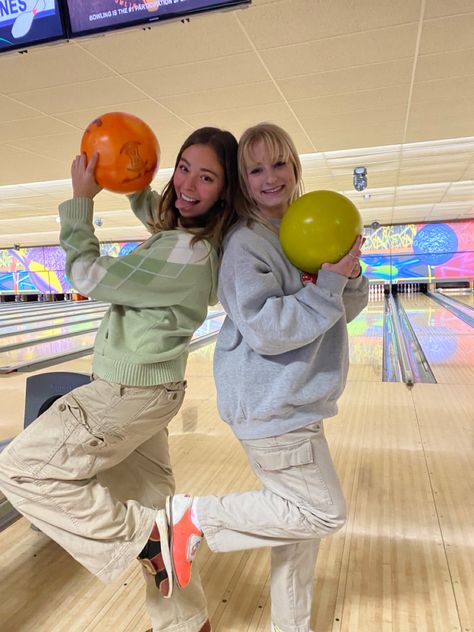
(159, 294)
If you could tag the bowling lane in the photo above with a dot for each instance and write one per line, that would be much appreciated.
(84, 315)
(49, 323)
(19, 318)
(465, 298)
(38, 308)
(51, 333)
(41, 354)
(12, 385)
(13, 306)
(447, 341)
(44, 315)
(366, 343)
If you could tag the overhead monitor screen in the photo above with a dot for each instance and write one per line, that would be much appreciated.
(100, 15)
(24, 23)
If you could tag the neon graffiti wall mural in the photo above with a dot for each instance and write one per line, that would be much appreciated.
(42, 269)
(393, 254)
(419, 252)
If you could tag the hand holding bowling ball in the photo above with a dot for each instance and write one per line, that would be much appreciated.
(128, 152)
(348, 265)
(82, 175)
(321, 227)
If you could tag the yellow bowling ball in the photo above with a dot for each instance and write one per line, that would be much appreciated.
(319, 227)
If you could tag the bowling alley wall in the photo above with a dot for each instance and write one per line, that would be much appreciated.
(391, 254)
(420, 252)
(42, 269)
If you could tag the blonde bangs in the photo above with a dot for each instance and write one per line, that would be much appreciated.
(274, 147)
(279, 146)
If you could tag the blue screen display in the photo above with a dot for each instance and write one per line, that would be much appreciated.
(96, 15)
(24, 23)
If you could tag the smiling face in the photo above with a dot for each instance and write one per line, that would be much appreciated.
(271, 180)
(198, 181)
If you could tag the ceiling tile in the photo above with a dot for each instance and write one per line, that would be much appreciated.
(12, 110)
(447, 34)
(347, 80)
(58, 61)
(102, 94)
(39, 126)
(200, 76)
(167, 44)
(249, 94)
(441, 8)
(342, 52)
(445, 65)
(295, 21)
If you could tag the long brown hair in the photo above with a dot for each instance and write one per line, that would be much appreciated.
(214, 224)
(279, 146)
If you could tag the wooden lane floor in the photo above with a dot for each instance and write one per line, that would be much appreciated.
(447, 434)
(13, 385)
(20, 327)
(366, 349)
(51, 346)
(447, 341)
(366, 343)
(45, 311)
(402, 563)
(54, 351)
(58, 332)
(466, 298)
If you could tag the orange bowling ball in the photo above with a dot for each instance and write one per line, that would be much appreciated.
(129, 153)
(319, 227)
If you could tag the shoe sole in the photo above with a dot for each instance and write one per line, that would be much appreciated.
(169, 514)
(162, 524)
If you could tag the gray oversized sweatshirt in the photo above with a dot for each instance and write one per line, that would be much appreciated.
(281, 357)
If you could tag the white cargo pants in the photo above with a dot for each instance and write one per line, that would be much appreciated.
(301, 502)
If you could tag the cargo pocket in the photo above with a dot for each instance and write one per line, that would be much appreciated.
(290, 470)
(93, 436)
(280, 458)
(88, 446)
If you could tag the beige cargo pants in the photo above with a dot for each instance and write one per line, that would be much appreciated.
(90, 473)
(301, 501)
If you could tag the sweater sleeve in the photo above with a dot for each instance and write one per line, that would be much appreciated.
(270, 321)
(145, 204)
(165, 270)
(355, 296)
